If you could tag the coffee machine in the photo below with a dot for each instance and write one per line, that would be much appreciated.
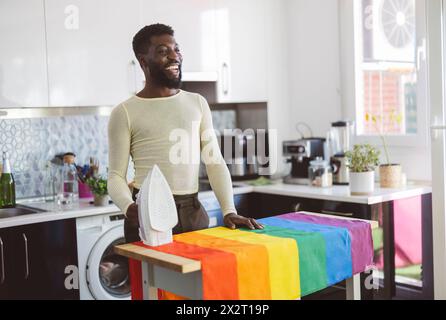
(299, 153)
(339, 140)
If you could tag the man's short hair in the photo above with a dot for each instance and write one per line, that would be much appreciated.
(141, 40)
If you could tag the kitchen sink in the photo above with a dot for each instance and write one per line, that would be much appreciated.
(18, 210)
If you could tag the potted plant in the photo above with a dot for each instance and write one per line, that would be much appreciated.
(390, 174)
(98, 187)
(362, 161)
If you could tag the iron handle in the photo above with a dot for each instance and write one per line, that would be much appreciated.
(2, 277)
(25, 239)
(344, 214)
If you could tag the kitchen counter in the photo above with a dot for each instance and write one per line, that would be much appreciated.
(337, 193)
(80, 209)
(342, 193)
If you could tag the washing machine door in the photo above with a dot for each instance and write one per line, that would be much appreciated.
(107, 272)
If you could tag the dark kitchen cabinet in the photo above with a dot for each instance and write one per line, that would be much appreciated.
(6, 252)
(267, 205)
(242, 205)
(34, 261)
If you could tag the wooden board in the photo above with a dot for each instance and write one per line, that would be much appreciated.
(161, 259)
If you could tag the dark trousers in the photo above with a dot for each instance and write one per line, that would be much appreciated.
(191, 216)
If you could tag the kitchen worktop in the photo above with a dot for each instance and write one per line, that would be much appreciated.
(342, 193)
(80, 209)
(83, 208)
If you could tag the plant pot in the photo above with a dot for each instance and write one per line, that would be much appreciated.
(362, 183)
(100, 201)
(390, 175)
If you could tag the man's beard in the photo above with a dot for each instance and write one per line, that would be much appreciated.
(160, 78)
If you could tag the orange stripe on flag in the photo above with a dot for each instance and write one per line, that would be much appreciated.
(252, 262)
(219, 268)
(283, 257)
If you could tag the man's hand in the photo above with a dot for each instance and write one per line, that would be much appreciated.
(132, 214)
(233, 221)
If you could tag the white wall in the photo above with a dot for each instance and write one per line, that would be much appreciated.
(303, 67)
(278, 70)
(416, 162)
(313, 63)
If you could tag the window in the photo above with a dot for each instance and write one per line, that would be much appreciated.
(388, 86)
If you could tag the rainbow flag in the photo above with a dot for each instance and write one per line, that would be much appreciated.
(295, 255)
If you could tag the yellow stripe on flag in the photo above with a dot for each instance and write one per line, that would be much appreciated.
(252, 263)
(283, 257)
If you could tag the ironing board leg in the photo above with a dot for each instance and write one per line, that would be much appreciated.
(149, 291)
(353, 286)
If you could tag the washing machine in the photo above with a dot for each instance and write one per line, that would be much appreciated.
(103, 275)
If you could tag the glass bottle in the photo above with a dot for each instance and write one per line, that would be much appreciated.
(69, 180)
(7, 185)
(49, 183)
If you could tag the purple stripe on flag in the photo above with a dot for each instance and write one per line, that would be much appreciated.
(360, 234)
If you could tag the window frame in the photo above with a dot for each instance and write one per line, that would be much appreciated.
(350, 75)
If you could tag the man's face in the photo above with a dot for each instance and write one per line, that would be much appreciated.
(163, 62)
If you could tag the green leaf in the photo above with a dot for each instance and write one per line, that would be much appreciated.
(98, 185)
(363, 158)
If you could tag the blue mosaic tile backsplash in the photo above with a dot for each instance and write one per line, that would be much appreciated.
(31, 143)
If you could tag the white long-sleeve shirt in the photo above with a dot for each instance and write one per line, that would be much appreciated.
(171, 132)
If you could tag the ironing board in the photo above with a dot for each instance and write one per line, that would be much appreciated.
(184, 277)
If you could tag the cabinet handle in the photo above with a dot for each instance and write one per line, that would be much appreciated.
(225, 76)
(344, 214)
(2, 278)
(25, 239)
(296, 207)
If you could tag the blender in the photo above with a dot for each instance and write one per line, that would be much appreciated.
(339, 142)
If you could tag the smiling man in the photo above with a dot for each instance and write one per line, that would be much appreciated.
(142, 126)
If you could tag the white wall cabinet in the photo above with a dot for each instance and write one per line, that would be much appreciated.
(194, 24)
(90, 57)
(79, 52)
(241, 50)
(23, 76)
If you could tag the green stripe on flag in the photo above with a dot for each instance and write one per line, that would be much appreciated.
(312, 257)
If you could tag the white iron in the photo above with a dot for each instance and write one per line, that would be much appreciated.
(157, 211)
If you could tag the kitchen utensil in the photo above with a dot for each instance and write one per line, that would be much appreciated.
(320, 173)
(80, 175)
(157, 211)
(241, 155)
(94, 167)
(300, 153)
